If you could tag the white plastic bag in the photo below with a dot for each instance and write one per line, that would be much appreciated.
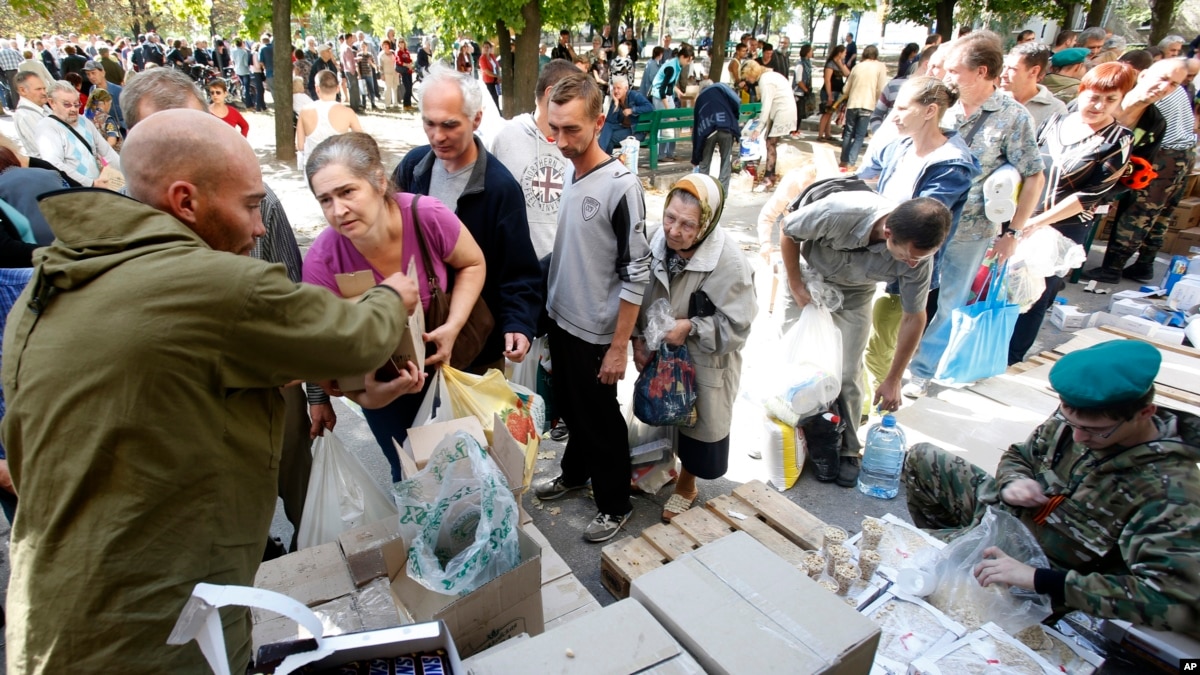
(341, 495)
(525, 372)
(1048, 253)
(1023, 286)
(811, 377)
(459, 519)
(752, 150)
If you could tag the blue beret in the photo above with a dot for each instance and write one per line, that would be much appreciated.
(1069, 57)
(1106, 374)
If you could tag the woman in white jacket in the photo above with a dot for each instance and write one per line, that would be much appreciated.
(710, 285)
(778, 116)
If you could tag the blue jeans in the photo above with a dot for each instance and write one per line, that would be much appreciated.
(853, 134)
(959, 267)
(393, 422)
(612, 135)
(258, 98)
(664, 149)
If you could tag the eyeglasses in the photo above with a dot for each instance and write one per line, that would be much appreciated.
(1095, 432)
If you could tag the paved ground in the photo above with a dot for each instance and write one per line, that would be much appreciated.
(397, 133)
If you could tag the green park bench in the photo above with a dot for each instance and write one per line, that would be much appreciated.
(652, 124)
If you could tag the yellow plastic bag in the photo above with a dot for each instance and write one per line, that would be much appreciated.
(481, 396)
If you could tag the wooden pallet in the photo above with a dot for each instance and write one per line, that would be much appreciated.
(753, 508)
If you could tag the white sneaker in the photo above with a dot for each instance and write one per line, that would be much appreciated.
(916, 387)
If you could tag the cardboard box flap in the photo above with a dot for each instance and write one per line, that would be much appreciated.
(622, 637)
(351, 285)
(509, 455)
(423, 440)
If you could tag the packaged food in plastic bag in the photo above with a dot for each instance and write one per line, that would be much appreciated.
(342, 495)
(459, 519)
(782, 453)
(959, 594)
(988, 650)
(752, 150)
(909, 628)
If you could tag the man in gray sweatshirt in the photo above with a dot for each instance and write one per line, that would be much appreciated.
(598, 272)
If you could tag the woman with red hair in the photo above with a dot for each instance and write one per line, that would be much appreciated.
(1085, 152)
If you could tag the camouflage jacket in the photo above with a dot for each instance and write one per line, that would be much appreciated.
(1128, 532)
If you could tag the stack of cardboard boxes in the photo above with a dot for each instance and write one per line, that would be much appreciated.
(1183, 227)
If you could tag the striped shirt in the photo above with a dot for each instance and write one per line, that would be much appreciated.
(1181, 123)
(10, 59)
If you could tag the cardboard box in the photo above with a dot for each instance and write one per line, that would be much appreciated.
(1068, 317)
(739, 608)
(374, 551)
(1184, 242)
(1187, 214)
(369, 608)
(400, 641)
(1192, 185)
(423, 440)
(412, 346)
(1129, 307)
(312, 576)
(1150, 329)
(621, 638)
(504, 607)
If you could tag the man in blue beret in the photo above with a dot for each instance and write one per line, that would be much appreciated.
(1108, 486)
(1067, 68)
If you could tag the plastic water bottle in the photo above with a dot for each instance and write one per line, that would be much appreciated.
(883, 460)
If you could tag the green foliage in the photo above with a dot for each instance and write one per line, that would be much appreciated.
(924, 12)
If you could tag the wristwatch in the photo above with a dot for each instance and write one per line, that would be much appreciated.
(1011, 232)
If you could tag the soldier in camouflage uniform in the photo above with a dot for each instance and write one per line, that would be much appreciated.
(1108, 485)
(1144, 216)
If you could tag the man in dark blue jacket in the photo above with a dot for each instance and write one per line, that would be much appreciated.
(626, 108)
(715, 127)
(456, 169)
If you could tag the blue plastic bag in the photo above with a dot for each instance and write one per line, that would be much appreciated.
(665, 392)
(979, 335)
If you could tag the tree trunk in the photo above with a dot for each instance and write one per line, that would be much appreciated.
(1161, 14)
(615, 9)
(523, 82)
(767, 23)
(833, 32)
(1095, 15)
(281, 81)
(945, 19)
(720, 37)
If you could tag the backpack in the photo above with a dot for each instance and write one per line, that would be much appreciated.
(827, 186)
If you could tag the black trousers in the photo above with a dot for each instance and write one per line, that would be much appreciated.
(599, 445)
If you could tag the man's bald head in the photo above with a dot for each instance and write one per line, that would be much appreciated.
(215, 187)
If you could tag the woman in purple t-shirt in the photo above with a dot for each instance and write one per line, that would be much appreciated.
(371, 229)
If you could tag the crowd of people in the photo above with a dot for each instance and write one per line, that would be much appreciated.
(538, 241)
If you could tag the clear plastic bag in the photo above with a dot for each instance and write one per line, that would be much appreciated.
(341, 495)
(1023, 286)
(660, 320)
(823, 295)
(459, 519)
(961, 597)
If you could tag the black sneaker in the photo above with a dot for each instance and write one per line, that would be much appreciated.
(604, 527)
(848, 468)
(560, 433)
(1102, 274)
(556, 489)
(1139, 271)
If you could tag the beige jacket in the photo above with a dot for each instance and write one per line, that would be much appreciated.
(865, 83)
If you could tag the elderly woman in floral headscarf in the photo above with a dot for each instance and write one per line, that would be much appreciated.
(710, 285)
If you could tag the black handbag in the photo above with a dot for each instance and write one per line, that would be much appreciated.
(479, 325)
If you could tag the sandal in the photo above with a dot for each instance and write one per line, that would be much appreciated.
(676, 505)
